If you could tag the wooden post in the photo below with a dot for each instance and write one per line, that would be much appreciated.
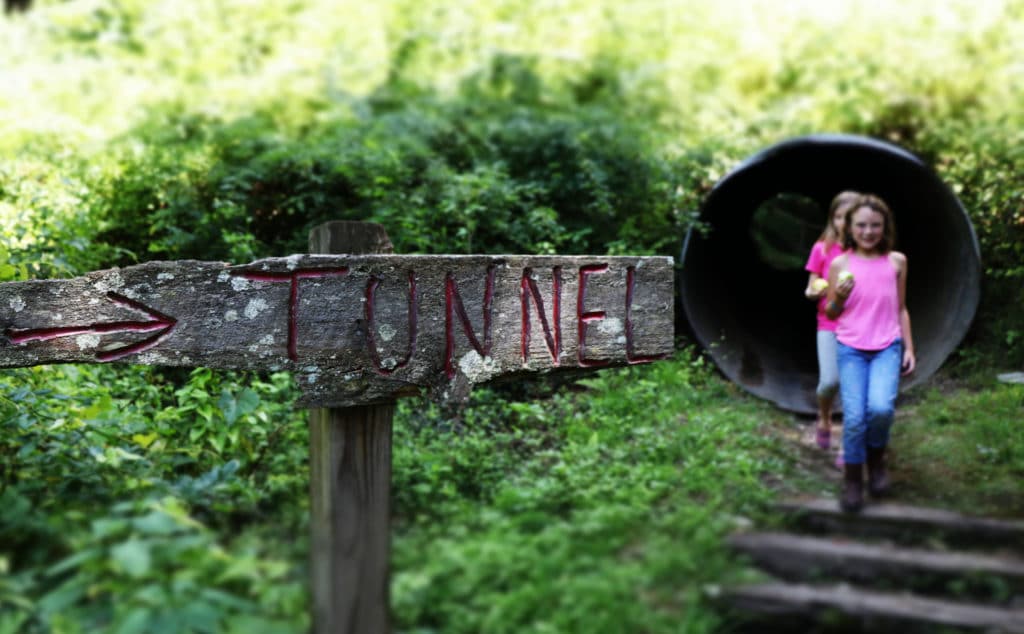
(350, 486)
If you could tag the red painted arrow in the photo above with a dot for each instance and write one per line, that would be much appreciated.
(160, 323)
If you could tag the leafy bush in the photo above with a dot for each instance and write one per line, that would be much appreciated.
(441, 178)
(570, 514)
(123, 492)
(984, 166)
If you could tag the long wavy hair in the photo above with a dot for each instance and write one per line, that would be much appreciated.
(873, 203)
(830, 235)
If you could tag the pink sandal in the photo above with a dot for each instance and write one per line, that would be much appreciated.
(823, 437)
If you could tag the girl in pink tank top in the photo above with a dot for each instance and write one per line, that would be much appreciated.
(870, 317)
(867, 298)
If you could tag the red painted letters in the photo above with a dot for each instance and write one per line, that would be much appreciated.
(454, 306)
(455, 309)
(528, 288)
(630, 356)
(293, 295)
(585, 317)
(371, 332)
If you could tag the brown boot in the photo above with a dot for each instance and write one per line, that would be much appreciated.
(878, 476)
(851, 500)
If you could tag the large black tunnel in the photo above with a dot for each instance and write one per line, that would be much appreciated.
(742, 281)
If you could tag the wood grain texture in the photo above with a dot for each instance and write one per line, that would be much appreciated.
(355, 328)
(802, 557)
(350, 488)
(884, 612)
(350, 485)
(904, 523)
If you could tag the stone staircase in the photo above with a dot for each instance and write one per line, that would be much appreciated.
(890, 568)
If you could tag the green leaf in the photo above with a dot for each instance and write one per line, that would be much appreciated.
(71, 562)
(133, 557)
(217, 441)
(199, 616)
(63, 596)
(145, 440)
(11, 622)
(136, 622)
(156, 523)
(234, 407)
(229, 405)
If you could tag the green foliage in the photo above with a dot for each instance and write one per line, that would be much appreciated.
(124, 493)
(575, 514)
(967, 452)
(46, 228)
(984, 165)
(155, 569)
(481, 177)
(137, 505)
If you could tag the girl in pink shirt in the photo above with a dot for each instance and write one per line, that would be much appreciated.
(827, 248)
(867, 297)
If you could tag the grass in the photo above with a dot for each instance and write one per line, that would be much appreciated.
(963, 449)
(597, 511)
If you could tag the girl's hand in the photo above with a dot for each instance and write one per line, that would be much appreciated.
(814, 295)
(816, 288)
(844, 287)
(909, 362)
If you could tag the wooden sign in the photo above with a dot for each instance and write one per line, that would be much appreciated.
(355, 329)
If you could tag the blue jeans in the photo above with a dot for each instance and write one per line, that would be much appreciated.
(868, 383)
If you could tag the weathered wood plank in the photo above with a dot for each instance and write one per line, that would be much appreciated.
(907, 524)
(357, 328)
(801, 557)
(886, 612)
(350, 483)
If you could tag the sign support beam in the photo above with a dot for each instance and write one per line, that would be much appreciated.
(350, 486)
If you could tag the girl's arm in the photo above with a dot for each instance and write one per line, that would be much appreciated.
(815, 290)
(837, 291)
(909, 357)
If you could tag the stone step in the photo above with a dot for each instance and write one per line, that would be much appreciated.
(805, 558)
(804, 608)
(906, 524)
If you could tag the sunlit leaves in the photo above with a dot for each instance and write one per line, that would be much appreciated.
(133, 545)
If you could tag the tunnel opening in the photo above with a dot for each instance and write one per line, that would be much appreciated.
(742, 281)
(783, 229)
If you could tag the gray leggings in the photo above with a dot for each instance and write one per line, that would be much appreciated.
(828, 364)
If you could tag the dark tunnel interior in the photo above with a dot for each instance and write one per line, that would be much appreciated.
(741, 282)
